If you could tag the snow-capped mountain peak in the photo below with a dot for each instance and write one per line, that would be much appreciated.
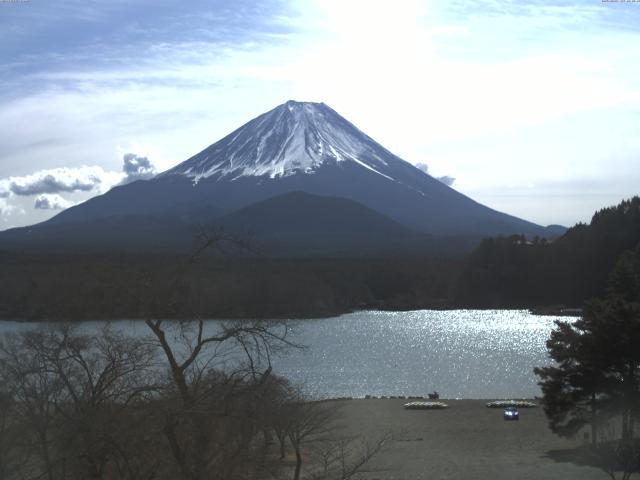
(293, 138)
(299, 147)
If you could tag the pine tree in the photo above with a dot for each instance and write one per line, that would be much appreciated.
(596, 378)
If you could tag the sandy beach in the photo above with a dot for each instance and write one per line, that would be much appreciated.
(465, 441)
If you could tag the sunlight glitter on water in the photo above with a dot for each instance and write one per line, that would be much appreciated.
(459, 353)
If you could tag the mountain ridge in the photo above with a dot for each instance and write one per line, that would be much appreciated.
(298, 147)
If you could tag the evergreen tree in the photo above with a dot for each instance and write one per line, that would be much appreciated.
(596, 378)
(510, 273)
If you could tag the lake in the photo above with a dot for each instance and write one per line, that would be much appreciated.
(459, 353)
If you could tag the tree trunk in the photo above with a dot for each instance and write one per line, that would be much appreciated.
(45, 455)
(282, 451)
(594, 429)
(296, 475)
(282, 438)
(169, 431)
(268, 439)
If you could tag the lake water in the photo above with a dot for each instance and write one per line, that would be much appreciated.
(459, 353)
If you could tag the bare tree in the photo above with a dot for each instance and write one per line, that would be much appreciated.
(343, 457)
(309, 422)
(194, 422)
(12, 456)
(34, 393)
(71, 391)
(314, 431)
(192, 400)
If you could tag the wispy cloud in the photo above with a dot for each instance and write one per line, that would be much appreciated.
(4, 206)
(475, 85)
(447, 180)
(52, 202)
(119, 39)
(8, 212)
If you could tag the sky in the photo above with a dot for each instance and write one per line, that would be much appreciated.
(533, 108)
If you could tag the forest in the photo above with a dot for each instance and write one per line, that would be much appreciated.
(502, 272)
(516, 272)
(74, 287)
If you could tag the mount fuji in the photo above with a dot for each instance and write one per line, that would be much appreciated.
(298, 147)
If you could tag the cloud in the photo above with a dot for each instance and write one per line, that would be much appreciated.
(7, 211)
(5, 208)
(423, 166)
(80, 179)
(47, 185)
(136, 167)
(51, 183)
(447, 180)
(52, 202)
(496, 76)
(58, 180)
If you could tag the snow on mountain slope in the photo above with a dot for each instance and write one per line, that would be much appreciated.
(305, 147)
(293, 138)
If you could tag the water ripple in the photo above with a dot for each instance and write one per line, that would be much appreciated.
(460, 353)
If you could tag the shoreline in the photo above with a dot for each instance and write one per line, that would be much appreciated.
(536, 400)
(543, 312)
(466, 441)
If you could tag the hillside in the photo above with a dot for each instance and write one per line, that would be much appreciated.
(514, 272)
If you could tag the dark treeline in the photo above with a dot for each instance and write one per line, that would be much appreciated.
(68, 287)
(504, 272)
(517, 272)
